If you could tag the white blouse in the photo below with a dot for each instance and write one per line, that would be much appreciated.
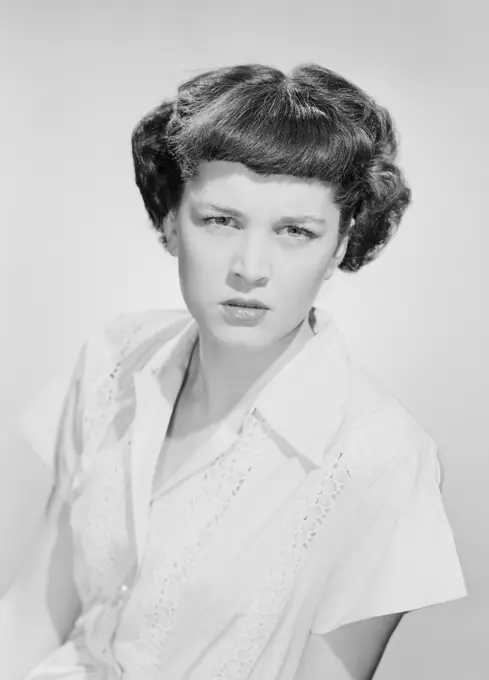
(315, 504)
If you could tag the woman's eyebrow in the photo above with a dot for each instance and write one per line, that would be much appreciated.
(301, 219)
(298, 219)
(223, 208)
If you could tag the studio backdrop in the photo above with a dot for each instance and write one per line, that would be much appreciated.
(76, 248)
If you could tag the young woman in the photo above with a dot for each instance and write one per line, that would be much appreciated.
(237, 499)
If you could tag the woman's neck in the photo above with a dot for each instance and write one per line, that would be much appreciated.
(219, 378)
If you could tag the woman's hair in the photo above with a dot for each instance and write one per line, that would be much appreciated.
(310, 124)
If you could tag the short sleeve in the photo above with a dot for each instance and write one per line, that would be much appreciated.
(401, 554)
(72, 411)
(69, 437)
(53, 426)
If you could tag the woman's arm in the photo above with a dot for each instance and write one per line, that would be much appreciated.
(41, 607)
(352, 652)
(39, 611)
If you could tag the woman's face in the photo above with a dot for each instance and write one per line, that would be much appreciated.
(240, 234)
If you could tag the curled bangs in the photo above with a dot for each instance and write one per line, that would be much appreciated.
(313, 124)
(272, 128)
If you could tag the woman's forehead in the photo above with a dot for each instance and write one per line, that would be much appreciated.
(223, 182)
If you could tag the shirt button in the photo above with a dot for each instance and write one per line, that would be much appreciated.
(122, 594)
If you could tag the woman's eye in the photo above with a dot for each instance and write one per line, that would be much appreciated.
(301, 231)
(219, 220)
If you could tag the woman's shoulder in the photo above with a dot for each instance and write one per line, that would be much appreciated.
(379, 427)
(129, 331)
(121, 345)
(125, 327)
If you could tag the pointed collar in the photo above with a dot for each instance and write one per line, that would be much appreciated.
(302, 398)
(305, 402)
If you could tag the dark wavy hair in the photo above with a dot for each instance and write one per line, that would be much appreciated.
(312, 123)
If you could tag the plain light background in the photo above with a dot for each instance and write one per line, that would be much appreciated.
(76, 248)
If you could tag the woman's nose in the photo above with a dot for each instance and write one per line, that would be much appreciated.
(250, 260)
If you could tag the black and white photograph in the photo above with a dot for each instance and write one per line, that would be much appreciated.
(245, 378)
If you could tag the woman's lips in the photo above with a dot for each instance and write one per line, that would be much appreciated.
(243, 314)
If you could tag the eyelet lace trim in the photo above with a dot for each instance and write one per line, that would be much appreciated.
(220, 484)
(102, 374)
(274, 592)
(97, 507)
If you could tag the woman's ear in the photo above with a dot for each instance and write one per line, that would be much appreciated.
(341, 251)
(337, 258)
(170, 229)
